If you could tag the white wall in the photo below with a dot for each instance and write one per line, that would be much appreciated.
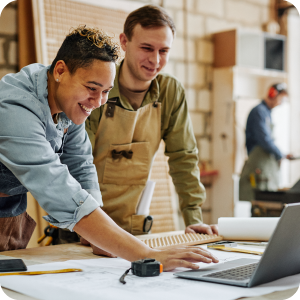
(294, 90)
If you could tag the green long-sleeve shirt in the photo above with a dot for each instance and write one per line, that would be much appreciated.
(177, 133)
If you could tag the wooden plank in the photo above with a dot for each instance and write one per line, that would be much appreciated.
(173, 240)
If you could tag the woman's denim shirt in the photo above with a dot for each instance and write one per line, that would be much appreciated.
(56, 168)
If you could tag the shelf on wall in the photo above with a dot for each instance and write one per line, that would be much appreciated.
(249, 48)
(260, 72)
(209, 173)
(206, 176)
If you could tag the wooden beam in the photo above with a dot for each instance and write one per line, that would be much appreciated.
(26, 45)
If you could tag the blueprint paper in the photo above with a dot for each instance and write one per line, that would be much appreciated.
(100, 280)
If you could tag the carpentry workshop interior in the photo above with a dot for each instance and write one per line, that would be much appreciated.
(149, 148)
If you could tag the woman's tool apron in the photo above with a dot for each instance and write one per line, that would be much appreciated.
(125, 147)
(261, 172)
(16, 226)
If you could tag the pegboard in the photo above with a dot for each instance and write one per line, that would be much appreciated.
(53, 20)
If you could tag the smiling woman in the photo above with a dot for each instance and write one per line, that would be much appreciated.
(77, 94)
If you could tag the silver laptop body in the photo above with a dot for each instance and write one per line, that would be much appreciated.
(280, 259)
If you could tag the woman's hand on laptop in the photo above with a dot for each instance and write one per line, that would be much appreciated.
(202, 228)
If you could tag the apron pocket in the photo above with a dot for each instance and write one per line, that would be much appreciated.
(127, 164)
(137, 224)
(16, 232)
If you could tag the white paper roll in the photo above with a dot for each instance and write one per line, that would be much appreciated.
(145, 201)
(258, 229)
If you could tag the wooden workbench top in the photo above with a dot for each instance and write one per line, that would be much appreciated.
(57, 253)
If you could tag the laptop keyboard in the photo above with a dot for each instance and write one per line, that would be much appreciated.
(239, 273)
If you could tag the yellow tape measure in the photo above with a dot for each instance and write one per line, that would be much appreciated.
(42, 272)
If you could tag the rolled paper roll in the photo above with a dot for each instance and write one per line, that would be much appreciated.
(146, 197)
(247, 229)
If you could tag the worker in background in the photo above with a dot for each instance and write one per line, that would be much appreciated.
(145, 107)
(44, 149)
(261, 170)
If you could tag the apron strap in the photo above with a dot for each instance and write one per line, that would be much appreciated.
(111, 104)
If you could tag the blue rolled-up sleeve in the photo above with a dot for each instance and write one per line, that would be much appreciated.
(85, 205)
(77, 155)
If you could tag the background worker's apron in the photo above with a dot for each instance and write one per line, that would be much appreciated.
(125, 147)
(16, 226)
(261, 172)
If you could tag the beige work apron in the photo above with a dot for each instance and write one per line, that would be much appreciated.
(125, 147)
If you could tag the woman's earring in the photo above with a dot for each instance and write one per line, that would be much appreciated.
(57, 80)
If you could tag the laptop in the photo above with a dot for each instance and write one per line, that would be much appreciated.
(280, 259)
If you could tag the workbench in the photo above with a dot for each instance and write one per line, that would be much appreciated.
(76, 251)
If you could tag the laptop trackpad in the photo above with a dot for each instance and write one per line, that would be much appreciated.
(214, 268)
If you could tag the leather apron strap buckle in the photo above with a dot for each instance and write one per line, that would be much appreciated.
(128, 154)
(110, 110)
(117, 155)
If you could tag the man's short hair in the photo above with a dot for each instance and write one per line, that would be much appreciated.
(148, 16)
(83, 45)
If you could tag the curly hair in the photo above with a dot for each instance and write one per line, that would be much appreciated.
(83, 45)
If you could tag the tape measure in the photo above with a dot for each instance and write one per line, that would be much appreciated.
(147, 267)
